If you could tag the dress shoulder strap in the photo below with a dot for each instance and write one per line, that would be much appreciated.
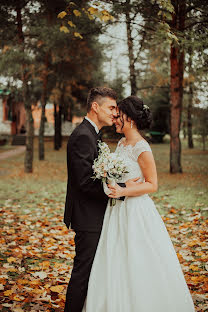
(140, 147)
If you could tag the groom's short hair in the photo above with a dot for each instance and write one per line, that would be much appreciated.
(96, 94)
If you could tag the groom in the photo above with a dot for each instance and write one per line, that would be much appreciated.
(85, 200)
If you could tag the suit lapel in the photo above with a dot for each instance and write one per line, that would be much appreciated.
(91, 128)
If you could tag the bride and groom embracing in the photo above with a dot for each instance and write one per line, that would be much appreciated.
(125, 260)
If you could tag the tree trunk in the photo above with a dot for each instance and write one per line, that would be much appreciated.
(184, 130)
(204, 130)
(130, 51)
(190, 103)
(70, 115)
(41, 133)
(56, 141)
(59, 125)
(189, 117)
(176, 89)
(204, 141)
(28, 161)
(43, 104)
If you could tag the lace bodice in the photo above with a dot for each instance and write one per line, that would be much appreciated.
(130, 156)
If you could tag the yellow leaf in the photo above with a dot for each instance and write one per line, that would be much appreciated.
(45, 264)
(11, 259)
(105, 18)
(7, 292)
(76, 34)
(92, 10)
(77, 13)
(71, 24)
(91, 17)
(57, 289)
(194, 267)
(199, 253)
(6, 48)
(38, 291)
(193, 243)
(18, 298)
(22, 281)
(104, 12)
(62, 297)
(18, 309)
(11, 269)
(62, 14)
(64, 29)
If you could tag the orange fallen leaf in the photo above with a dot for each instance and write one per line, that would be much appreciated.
(17, 309)
(22, 281)
(194, 267)
(18, 298)
(172, 210)
(11, 259)
(58, 288)
(193, 243)
(8, 292)
(11, 269)
(1, 287)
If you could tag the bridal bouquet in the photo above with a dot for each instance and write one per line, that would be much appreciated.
(108, 167)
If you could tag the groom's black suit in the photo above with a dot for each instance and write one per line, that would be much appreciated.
(84, 209)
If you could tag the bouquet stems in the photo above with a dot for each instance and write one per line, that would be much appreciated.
(112, 202)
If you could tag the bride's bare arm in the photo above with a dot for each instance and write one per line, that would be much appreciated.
(148, 167)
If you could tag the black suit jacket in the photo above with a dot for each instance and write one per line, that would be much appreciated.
(85, 199)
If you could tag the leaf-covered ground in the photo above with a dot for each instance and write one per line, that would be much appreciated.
(37, 250)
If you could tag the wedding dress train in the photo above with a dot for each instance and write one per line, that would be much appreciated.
(136, 268)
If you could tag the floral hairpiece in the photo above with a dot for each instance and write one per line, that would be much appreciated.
(145, 107)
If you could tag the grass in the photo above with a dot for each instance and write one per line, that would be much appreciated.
(49, 178)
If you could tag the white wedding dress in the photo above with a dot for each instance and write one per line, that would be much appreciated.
(136, 268)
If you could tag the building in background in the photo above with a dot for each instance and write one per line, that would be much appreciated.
(13, 117)
(12, 114)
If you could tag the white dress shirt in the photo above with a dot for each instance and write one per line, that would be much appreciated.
(93, 124)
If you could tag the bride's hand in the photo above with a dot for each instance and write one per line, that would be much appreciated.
(131, 182)
(116, 191)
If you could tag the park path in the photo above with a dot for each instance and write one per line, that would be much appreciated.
(14, 152)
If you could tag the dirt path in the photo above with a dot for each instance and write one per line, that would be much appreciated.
(16, 151)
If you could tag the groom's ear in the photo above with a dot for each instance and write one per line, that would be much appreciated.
(94, 106)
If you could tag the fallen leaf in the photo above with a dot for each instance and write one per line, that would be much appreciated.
(57, 289)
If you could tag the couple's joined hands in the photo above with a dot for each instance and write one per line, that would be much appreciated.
(118, 191)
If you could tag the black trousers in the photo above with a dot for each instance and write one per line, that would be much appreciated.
(85, 248)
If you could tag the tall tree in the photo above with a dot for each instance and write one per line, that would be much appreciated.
(176, 86)
(47, 41)
(130, 49)
(190, 99)
(17, 52)
(167, 21)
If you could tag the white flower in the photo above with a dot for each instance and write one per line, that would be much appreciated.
(108, 165)
(145, 106)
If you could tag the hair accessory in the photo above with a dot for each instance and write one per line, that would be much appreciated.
(131, 124)
(145, 107)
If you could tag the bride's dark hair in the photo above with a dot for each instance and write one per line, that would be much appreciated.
(134, 108)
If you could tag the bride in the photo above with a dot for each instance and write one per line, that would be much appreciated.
(136, 268)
